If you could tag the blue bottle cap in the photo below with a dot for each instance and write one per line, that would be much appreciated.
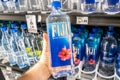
(24, 26)
(112, 2)
(92, 35)
(82, 26)
(3, 28)
(109, 33)
(80, 30)
(56, 4)
(12, 30)
(90, 1)
(111, 28)
(14, 25)
(94, 30)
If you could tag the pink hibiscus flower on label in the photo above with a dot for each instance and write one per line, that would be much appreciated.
(76, 61)
(65, 54)
(91, 62)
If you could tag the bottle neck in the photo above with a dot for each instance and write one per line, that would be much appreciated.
(54, 10)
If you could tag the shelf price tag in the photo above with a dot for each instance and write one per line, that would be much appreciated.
(82, 20)
(31, 23)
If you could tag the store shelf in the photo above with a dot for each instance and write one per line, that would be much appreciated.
(93, 19)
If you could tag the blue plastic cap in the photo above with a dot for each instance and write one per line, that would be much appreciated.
(109, 33)
(90, 1)
(92, 35)
(112, 2)
(56, 4)
(24, 26)
(94, 30)
(13, 25)
(80, 30)
(82, 26)
(110, 28)
(3, 28)
(13, 30)
(76, 35)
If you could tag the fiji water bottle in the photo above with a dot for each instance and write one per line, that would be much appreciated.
(59, 33)
(111, 6)
(88, 6)
(108, 55)
(85, 31)
(91, 57)
(76, 46)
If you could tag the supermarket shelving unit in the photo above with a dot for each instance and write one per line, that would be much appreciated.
(100, 19)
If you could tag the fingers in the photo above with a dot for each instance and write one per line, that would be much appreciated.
(45, 43)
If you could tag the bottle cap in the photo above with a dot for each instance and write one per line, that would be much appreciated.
(3, 28)
(13, 30)
(82, 26)
(112, 2)
(111, 28)
(14, 25)
(94, 30)
(56, 4)
(90, 1)
(110, 33)
(92, 35)
(24, 26)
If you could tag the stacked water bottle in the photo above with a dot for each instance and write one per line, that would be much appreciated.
(82, 6)
(96, 55)
(18, 46)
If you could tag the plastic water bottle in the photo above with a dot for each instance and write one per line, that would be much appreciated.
(76, 45)
(46, 5)
(1, 6)
(34, 5)
(91, 57)
(85, 31)
(97, 35)
(107, 57)
(59, 33)
(7, 46)
(111, 6)
(28, 45)
(23, 5)
(66, 5)
(10, 5)
(19, 49)
(88, 6)
(75, 5)
(38, 46)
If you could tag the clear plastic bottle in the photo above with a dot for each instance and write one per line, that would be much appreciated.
(1, 6)
(88, 6)
(108, 55)
(34, 5)
(91, 57)
(7, 46)
(66, 5)
(19, 49)
(46, 5)
(111, 7)
(10, 5)
(27, 43)
(23, 5)
(59, 33)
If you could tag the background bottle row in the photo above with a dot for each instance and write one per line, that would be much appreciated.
(82, 6)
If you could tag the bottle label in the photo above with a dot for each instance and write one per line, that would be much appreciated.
(59, 40)
(91, 55)
(76, 50)
(112, 2)
(108, 58)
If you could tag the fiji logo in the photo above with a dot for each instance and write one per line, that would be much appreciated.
(59, 30)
